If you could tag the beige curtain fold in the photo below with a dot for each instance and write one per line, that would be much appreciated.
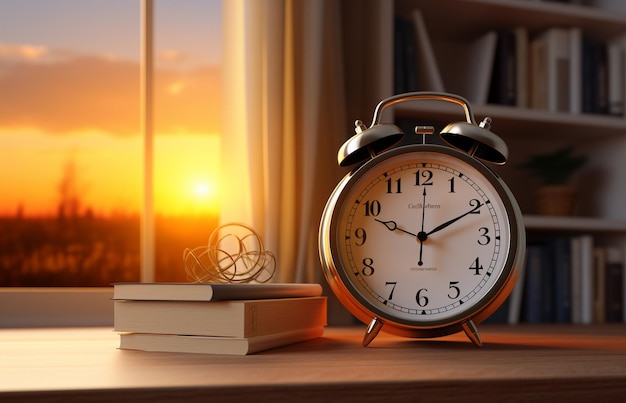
(283, 123)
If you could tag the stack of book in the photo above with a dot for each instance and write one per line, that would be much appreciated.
(556, 68)
(236, 319)
(568, 279)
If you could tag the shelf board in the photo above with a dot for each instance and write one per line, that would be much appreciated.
(537, 123)
(575, 224)
(535, 15)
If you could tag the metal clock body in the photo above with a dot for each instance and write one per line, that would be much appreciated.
(422, 240)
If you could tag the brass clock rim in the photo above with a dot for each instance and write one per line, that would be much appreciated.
(365, 311)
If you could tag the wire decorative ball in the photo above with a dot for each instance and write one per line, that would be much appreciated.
(234, 254)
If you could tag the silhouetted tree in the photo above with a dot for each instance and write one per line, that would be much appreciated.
(69, 192)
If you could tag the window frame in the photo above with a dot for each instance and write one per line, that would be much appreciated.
(93, 306)
(56, 306)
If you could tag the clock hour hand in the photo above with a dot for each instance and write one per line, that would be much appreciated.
(452, 221)
(392, 226)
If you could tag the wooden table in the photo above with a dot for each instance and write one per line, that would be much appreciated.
(521, 363)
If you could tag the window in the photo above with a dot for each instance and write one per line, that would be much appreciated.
(71, 145)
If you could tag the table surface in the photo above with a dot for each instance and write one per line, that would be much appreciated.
(516, 363)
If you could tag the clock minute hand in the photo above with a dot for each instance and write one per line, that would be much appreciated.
(392, 226)
(452, 221)
(421, 236)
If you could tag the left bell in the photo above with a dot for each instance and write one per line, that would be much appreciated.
(368, 142)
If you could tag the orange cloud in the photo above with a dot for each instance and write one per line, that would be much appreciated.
(188, 101)
(95, 93)
(29, 52)
(172, 56)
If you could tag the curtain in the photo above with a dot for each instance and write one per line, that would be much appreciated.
(284, 120)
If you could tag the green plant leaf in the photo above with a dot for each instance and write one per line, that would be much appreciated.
(555, 168)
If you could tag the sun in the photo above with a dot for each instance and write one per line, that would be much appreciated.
(187, 175)
(202, 190)
(204, 195)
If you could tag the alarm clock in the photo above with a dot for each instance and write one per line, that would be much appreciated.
(422, 240)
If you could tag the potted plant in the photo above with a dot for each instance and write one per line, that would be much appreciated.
(556, 195)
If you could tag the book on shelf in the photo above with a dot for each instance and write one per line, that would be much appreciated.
(467, 67)
(212, 291)
(521, 66)
(234, 318)
(616, 65)
(560, 250)
(615, 291)
(515, 299)
(405, 59)
(216, 345)
(582, 279)
(570, 279)
(418, 62)
(599, 285)
(429, 76)
(557, 69)
(543, 292)
(595, 77)
(615, 69)
(504, 80)
(509, 79)
(535, 304)
(550, 78)
(575, 70)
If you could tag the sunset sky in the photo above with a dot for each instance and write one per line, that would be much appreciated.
(69, 97)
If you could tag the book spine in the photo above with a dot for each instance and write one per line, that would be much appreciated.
(503, 88)
(571, 279)
(429, 78)
(548, 284)
(586, 294)
(599, 285)
(575, 72)
(521, 66)
(251, 317)
(399, 55)
(563, 279)
(614, 286)
(531, 310)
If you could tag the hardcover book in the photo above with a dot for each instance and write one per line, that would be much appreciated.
(215, 345)
(236, 318)
(212, 291)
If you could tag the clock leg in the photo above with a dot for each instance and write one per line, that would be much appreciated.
(472, 333)
(372, 331)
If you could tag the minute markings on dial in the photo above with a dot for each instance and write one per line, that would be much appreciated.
(444, 192)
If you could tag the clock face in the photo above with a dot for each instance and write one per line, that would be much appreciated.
(422, 237)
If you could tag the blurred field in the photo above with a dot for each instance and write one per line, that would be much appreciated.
(92, 251)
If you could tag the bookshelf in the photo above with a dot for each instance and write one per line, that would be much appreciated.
(456, 24)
